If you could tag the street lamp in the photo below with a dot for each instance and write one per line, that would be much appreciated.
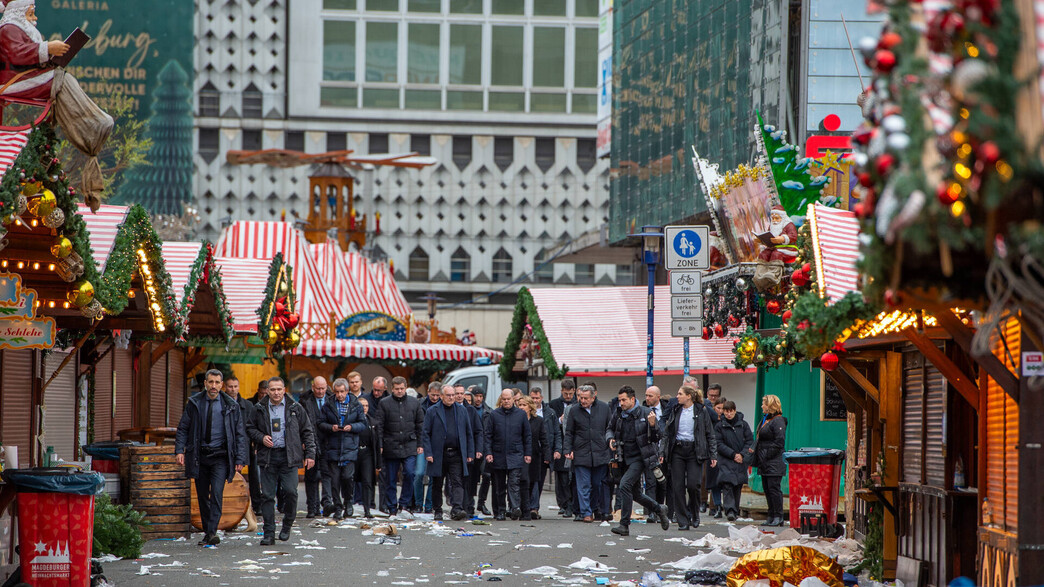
(433, 301)
(651, 236)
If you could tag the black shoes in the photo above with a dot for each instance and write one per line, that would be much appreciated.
(731, 517)
(718, 512)
(515, 514)
(458, 515)
(566, 513)
(683, 527)
(205, 540)
(337, 515)
(349, 512)
(438, 515)
(665, 522)
(284, 534)
(703, 508)
(622, 530)
(695, 521)
(485, 511)
(268, 540)
(499, 517)
(775, 521)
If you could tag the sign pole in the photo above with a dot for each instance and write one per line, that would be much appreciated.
(649, 332)
(685, 348)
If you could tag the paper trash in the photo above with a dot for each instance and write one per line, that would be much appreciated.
(544, 571)
(589, 565)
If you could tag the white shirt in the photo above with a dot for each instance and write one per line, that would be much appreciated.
(658, 410)
(686, 425)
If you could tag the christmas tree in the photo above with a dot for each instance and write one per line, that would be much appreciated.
(164, 183)
(793, 179)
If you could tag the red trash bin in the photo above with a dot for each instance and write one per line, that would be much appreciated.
(55, 524)
(815, 483)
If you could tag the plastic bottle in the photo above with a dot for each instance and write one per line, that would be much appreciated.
(651, 579)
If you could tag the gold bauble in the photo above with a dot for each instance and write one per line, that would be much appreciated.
(44, 205)
(61, 247)
(81, 294)
(55, 219)
(272, 338)
(284, 289)
(32, 188)
(295, 339)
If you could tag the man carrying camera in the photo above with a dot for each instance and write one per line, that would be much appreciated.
(633, 436)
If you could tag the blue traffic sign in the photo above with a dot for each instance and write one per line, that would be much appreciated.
(687, 247)
(687, 244)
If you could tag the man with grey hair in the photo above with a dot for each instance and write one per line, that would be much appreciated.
(211, 443)
(315, 478)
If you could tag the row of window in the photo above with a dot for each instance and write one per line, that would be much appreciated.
(503, 269)
(580, 8)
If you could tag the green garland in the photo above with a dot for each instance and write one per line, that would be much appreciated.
(824, 322)
(525, 309)
(204, 265)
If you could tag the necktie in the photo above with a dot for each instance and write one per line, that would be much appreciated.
(209, 424)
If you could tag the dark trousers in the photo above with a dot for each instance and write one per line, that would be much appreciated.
(471, 484)
(314, 487)
(773, 494)
(652, 487)
(343, 481)
(254, 481)
(393, 466)
(630, 490)
(278, 473)
(331, 497)
(453, 476)
(365, 476)
(686, 474)
(484, 485)
(210, 487)
(507, 481)
(730, 497)
(564, 490)
(537, 488)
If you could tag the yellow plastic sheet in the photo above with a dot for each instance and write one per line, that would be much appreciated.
(790, 564)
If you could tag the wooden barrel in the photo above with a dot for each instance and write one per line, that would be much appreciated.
(234, 504)
(155, 484)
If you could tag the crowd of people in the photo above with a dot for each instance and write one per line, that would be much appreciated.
(376, 449)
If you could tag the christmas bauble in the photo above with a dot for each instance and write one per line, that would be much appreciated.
(884, 163)
(55, 219)
(741, 284)
(31, 188)
(709, 291)
(707, 333)
(865, 179)
(867, 46)
(22, 204)
(719, 330)
(947, 195)
(798, 278)
(893, 298)
(295, 339)
(828, 361)
(61, 247)
(44, 204)
(884, 60)
(292, 320)
(284, 289)
(81, 294)
(893, 123)
(898, 141)
(280, 307)
(786, 316)
(988, 152)
(733, 321)
(272, 337)
(761, 357)
(889, 40)
(773, 306)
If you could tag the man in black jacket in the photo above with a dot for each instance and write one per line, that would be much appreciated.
(472, 474)
(483, 479)
(400, 421)
(286, 441)
(691, 441)
(342, 421)
(506, 455)
(564, 482)
(449, 448)
(586, 446)
(317, 477)
(634, 435)
(212, 445)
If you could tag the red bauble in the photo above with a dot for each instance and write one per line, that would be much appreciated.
(773, 306)
(292, 320)
(828, 361)
(863, 134)
(988, 152)
(946, 197)
(734, 322)
(893, 298)
(719, 331)
(707, 334)
(786, 316)
(804, 325)
(884, 164)
(860, 210)
(889, 40)
(798, 278)
(806, 269)
(865, 179)
(884, 61)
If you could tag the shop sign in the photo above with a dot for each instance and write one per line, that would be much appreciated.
(19, 327)
(372, 326)
(1033, 364)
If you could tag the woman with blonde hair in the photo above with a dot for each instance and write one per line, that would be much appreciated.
(768, 456)
(690, 442)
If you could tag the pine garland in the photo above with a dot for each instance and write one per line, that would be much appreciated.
(525, 310)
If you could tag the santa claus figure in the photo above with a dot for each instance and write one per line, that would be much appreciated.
(717, 251)
(27, 73)
(784, 238)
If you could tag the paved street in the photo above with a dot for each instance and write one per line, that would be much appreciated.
(339, 555)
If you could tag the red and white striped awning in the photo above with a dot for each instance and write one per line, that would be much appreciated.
(102, 227)
(339, 280)
(835, 242)
(385, 281)
(602, 330)
(244, 283)
(179, 257)
(11, 144)
(360, 268)
(262, 240)
(383, 350)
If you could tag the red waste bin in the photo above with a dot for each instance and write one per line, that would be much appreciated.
(815, 483)
(55, 524)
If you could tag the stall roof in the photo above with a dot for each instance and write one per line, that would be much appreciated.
(381, 291)
(835, 243)
(11, 145)
(103, 226)
(602, 331)
(179, 258)
(346, 287)
(244, 284)
(384, 350)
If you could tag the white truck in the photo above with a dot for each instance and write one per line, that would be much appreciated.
(485, 377)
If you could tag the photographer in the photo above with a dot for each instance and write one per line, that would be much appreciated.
(633, 436)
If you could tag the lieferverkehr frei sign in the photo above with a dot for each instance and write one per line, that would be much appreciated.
(19, 327)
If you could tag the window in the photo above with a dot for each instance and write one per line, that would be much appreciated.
(209, 101)
(383, 5)
(502, 267)
(539, 102)
(463, 100)
(336, 141)
(418, 265)
(507, 55)
(339, 51)
(465, 58)
(465, 6)
(625, 275)
(545, 153)
(585, 61)
(461, 151)
(584, 274)
(423, 54)
(340, 97)
(379, 98)
(503, 152)
(460, 265)
(421, 144)
(382, 39)
(338, 4)
(549, 7)
(585, 103)
(549, 57)
(424, 99)
(587, 7)
(543, 270)
(586, 153)
(508, 7)
(252, 140)
(425, 5)
(209, 143)
(294, 141)
(252, 102)
(507, 101)
(379, 143)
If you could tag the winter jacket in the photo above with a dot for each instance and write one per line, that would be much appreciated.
(311, 406)
(189, 436)
(703, 431)
(477, 430)
(647, 437)
(401, 423)
(435, 435)
(340, 447)
(506, 428)
(768, 447)
(300, 436)
(734, 436)
(559, 405)
(585, 435)
(370, 441)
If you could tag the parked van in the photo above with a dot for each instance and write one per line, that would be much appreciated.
(485, 377)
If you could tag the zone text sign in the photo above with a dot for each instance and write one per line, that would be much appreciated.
(688, 247)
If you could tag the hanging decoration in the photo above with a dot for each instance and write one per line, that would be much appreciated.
(278, 312)
(205, 271)
(793, 181)
(729, 302)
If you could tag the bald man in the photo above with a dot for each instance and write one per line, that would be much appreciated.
(315, 478)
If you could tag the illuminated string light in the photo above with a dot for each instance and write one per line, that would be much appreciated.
(957, 208)
(962, 170)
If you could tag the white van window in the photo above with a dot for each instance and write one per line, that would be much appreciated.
(479, 381)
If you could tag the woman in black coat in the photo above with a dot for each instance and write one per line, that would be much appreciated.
(734, 442)
(768, 456)
(369, 463)
(542, 448)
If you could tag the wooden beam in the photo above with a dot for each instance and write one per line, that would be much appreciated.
(890, 382)
(193, 359)
(69, 356)
(854, 398)
(160, 350)
(866, 355)
(861, 381)
(962, 335)
(953, 374)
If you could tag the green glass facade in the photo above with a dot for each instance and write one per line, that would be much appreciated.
(687, 72)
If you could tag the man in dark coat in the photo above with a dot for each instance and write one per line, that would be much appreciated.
(285, 442)
(449, 446)
(317, 477)
(690, 442)
(586, 446)
(734, 442)
(471, 477)
(246, 406)
(378, 389)
(567, 398)
(710, 474)
(481, 481)
(211, 443)
(564, 482)
(506, 455)
(422, 494)
(634, 435)
(400, 420)
(341, 422)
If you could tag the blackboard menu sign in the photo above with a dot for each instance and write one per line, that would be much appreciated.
(831, 404)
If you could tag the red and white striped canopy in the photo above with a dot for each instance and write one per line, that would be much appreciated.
(385, 281)
(11, 144)
(179, 257)
(382, 350)
(262, 240)
(602, 330)
(102, 227)
(360, 267)
(836, 245)
(342, 284)
(244, 283)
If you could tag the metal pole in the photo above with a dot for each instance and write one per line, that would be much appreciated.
(685, 349)
(650, 259)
